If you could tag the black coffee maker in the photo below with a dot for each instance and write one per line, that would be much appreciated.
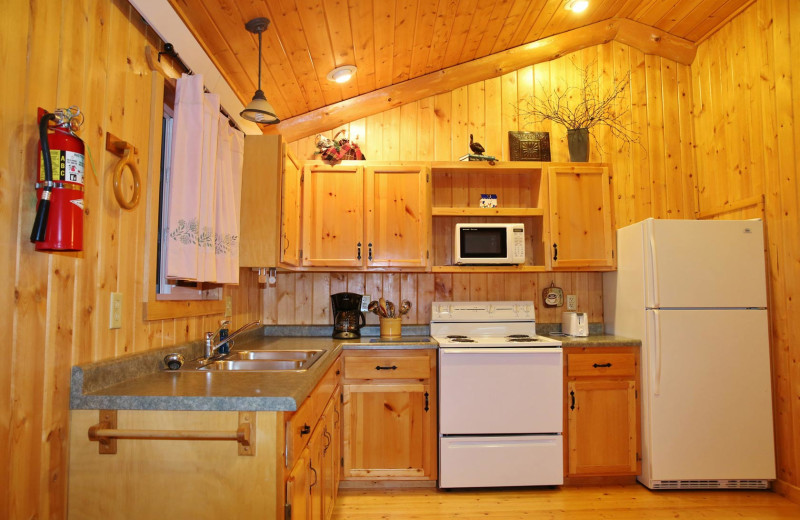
(347, 316)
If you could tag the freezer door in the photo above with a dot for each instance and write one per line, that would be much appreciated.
(704, 263)
(707, 396)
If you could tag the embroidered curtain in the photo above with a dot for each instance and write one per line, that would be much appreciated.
(202, 237)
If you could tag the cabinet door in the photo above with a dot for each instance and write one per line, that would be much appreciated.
(333, 216)
(316, 447)
(602, 435)
(298, 497)
(581, 228)
(330, 462)
(389, 432)
(258, 239)
(290, 209)
(397, 216)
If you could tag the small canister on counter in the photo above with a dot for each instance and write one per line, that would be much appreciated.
(391, 327)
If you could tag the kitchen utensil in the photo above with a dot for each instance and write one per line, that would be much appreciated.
(390, 310)
(373, 307)
(405, 306)
(382, 304)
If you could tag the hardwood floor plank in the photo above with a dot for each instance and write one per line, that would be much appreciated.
(573, 503)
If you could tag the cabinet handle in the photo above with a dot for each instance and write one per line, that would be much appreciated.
(315, 475)
(359, 250)
(393, 367)
(305, 430)
(604, 365)
(427, 401)
(572, 394)
(369, 256)
(328, 439)
(555, 252)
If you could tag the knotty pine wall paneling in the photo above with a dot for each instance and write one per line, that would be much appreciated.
(57, 313)
(746, 98)
(653, 178)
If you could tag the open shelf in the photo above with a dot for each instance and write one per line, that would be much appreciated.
(443, 211)
(488, 268)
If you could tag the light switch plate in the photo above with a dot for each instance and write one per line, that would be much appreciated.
(115, 311)
(572, 302)
(228, 307)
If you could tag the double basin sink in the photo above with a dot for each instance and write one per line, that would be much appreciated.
(263, 361)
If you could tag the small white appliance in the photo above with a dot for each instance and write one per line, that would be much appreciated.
(480, 244)
(575, 324)
(695, 293)
(500, 396)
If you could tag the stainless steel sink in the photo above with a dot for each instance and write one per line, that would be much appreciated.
(265, 361)
(283, 355)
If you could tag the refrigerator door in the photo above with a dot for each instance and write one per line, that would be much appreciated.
(704, 263)
(707, 396)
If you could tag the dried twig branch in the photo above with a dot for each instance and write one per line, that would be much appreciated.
(583, 106)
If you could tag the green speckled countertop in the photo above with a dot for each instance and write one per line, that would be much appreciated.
(141, 382)
(597, 340)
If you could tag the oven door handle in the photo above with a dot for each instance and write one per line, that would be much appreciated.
(500, 350)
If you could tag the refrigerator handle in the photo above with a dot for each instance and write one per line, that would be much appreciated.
(654, 338)
(653, 266)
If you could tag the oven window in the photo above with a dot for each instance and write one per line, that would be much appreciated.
(484, 243)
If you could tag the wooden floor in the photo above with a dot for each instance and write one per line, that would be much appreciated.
(573, 503)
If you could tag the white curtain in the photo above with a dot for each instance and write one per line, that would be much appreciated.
(202, 238)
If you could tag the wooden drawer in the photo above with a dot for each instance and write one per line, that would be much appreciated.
(299, 428)
(387, 366)
(600, 364)
(324, 389)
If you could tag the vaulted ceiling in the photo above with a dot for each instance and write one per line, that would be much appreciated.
(394, 41)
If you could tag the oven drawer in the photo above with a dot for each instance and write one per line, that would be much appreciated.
(524, 460)
(599, 364)
(386, 366)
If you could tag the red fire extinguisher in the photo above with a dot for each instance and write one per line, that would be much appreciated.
(59, 214)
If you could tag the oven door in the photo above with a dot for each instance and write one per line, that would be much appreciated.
(500, 390)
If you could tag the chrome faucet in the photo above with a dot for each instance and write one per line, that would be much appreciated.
(211, 348)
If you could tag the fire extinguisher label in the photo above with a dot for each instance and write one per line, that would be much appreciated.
(78, 202)
(67, 166)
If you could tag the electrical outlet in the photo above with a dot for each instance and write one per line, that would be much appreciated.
(115, 311)
(572, 302)
(228, 307)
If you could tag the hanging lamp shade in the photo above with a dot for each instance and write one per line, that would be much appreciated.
(259, 110)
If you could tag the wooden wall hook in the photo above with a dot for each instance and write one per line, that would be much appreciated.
(117, 146)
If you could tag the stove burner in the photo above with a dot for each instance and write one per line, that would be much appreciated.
(520, 340)
(518, 336)
(461, 339)
(456, 336)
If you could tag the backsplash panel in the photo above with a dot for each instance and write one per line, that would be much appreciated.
(303, 298)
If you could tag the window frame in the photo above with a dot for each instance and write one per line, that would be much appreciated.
(155, 306)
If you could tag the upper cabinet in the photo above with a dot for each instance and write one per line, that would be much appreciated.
(289, 245)
(333, 216)
(359, 217)
(581, 225)
(397, 216)
(261, 173)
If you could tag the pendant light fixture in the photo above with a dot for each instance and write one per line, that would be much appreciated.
(259, 109)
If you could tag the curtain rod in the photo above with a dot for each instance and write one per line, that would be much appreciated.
(169, 50)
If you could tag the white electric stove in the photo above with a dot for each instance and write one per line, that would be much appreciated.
(500, 402)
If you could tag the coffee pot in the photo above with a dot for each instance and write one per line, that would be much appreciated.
(347, 316)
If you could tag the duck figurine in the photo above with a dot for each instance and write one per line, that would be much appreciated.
(477, 148)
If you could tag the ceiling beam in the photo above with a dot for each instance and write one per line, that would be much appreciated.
(643, 37)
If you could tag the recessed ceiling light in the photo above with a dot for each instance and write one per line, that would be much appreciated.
(577, 6)
(342, 74)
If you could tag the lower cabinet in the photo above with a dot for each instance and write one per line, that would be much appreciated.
(389, 415)
(602, 417)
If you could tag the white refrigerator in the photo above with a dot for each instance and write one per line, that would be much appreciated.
(695, 293)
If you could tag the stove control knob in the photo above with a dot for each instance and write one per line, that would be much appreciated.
(491, 309)
(516, 309)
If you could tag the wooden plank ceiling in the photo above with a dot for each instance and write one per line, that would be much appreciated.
(392, 41)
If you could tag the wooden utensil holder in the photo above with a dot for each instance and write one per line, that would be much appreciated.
(391, 327)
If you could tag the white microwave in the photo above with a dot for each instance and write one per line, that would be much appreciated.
(478, 244)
